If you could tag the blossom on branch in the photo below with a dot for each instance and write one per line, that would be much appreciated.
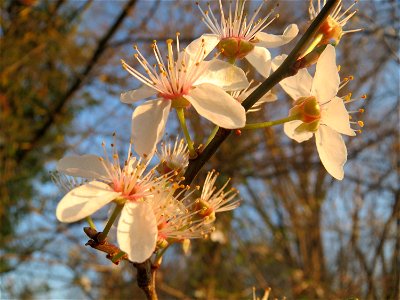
(174, 158)
(239, 38)
(212, 201)
(181, 83)
(320, 112)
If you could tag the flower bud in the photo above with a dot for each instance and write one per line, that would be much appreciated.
(331, 32)
(234, 48)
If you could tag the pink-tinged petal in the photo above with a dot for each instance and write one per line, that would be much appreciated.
(290, 130)
(260, 59)
(326, 79)
(335, 115)
(332, 151)
(295, 86)
(84, 201)
(137, 231)
(224, 75)
(148, 125)
(271, 41)
(85, 166)
(214, 104)
(210, 41)
(141, 93)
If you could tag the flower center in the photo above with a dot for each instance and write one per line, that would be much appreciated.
(234, 47)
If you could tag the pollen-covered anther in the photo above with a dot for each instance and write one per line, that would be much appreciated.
(360, 123)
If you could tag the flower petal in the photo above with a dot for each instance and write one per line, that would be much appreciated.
(260, 59)
(326, 79)
(290, 130)
(332, 151)
(335, 115)
(295, 86)
(214, 104)
(210, 41)
(271, 41)
(137, 231)
(140, 93)
(84, 201)
(148, 125)
(86, 166)
(223, 75)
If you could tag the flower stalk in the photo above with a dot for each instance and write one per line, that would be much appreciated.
(270, 123)
(181, 116)
(116, 212)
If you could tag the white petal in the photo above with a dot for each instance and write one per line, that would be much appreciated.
(295, 86)
(224, 75)
(277, 61)
(84, 201)
(290, 130)
(148, 125)
(271, 41)
(137, 231)
(332, 151)
(214, 104)
(210, 41)
(260, 59)
(142, 92)
(326, 79)
(335, 115)
(86, 166)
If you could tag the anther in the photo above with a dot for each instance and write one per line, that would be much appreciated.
(360, 123)
(361, 110)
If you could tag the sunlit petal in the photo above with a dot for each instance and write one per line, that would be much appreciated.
(85, 166)
(141, 93)
(260, 59)
(290, 130)
(335, 115)
(271, 41)
(148, 125)
(84, 201)
(224, 75)
(214, 104)
(137, 231)
(332, 151)
(296, 86)
(326, 79)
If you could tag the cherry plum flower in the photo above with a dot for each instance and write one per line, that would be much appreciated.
(321, 113)
(186, 81)
(173, 158)
(331, 29)
(173, 215)
(212, 201)
(239, 38)
(109, 181)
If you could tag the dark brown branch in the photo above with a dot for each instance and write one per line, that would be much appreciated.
(114, 253)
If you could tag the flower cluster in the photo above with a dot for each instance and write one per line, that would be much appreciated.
(153, 211)
(154, 207)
